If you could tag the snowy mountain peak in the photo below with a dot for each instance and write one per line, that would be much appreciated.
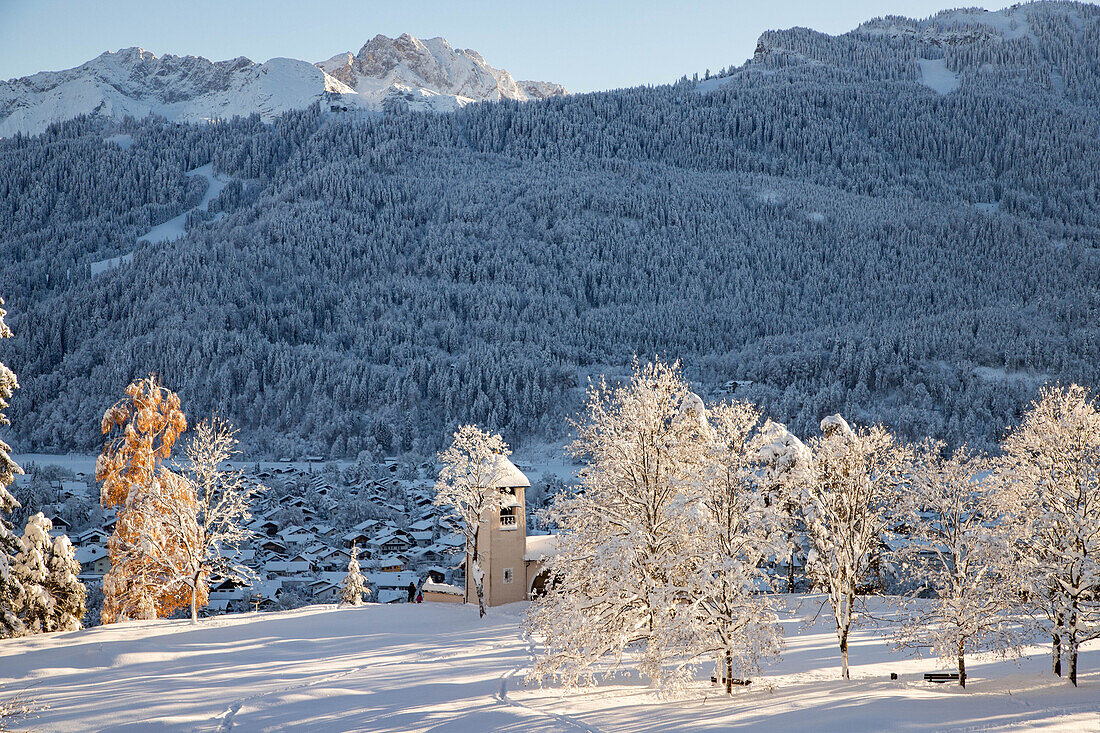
(387, 73)
(427, 74)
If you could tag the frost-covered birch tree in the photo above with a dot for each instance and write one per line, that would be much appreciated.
(1052, 462)
(622, 575)
(354, 586)
(196, 521)
(469, 483)
(738, 534)
(960, 549)
(846, 500)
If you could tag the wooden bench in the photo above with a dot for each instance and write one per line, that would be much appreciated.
(940, 677)
(735, 681)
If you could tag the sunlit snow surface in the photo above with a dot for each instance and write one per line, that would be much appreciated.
(438, 667)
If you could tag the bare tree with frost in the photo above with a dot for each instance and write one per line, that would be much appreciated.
(737, 534)
(196, 522)
(851, 483)
(623, 588)
(960, 548)
(1052, 464)
(469, 483)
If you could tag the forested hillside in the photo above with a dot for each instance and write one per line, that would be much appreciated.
(901, 224)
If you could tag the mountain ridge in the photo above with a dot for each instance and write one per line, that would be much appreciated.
(388, 74)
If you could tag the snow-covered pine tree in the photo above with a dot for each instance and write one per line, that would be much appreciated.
(624, 562)
(960, 547)
(467, 484)
(64, 587)
(8, 384)
(1052, 463)
(737, 534)
(32, 571)
(785, 465)
(143, 428)
(846, 501)
(10, 591)
(194, 524)
(354, 586)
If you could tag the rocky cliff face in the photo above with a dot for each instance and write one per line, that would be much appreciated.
(428, 74)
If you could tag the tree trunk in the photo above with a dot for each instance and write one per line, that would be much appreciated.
(962, 666)
(479, 588)
(1056, 645)
(844, 654)
(729, 674)
(1073, 658)
(480, 599)
(790, 572)
(475, 573)
(195, 597)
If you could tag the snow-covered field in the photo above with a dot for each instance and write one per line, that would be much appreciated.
(438, 667)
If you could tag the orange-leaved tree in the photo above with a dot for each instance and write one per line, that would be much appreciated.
(142, 429)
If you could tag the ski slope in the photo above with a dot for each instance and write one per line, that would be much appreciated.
(439, 668)
(176, 227)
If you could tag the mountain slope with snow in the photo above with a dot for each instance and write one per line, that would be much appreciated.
(386, 74)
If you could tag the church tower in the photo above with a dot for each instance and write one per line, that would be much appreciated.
(502, 541)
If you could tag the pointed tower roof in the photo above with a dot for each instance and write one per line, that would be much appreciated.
(504, 474)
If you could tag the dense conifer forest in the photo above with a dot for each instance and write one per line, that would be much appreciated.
(817, 221)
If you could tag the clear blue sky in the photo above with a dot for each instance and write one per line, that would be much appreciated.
(585, 45)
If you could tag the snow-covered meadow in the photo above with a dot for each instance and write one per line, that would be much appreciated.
(438, 667)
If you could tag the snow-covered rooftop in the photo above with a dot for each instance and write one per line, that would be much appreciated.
(541, 546)
(430, 587)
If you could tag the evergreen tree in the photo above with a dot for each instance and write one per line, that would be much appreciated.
(64, 587)
(8, 384)
(354, 586)
(11, 593)
(31, 569)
